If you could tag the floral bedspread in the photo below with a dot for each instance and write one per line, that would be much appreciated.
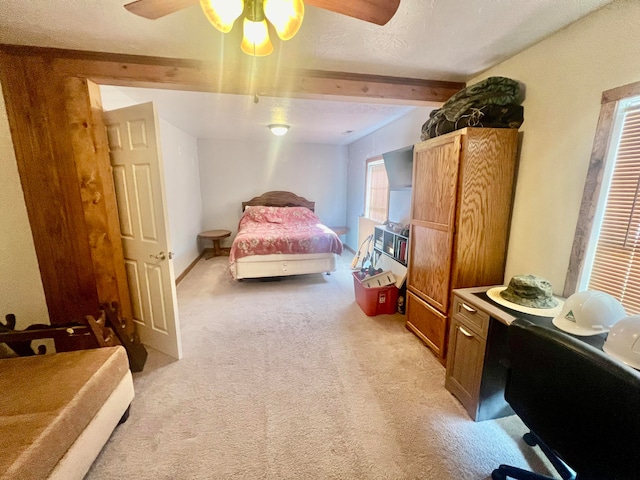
(269, 230)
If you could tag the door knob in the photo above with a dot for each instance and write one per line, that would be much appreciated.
(162, 256)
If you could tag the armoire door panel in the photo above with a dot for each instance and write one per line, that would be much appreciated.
(483, 216)
(435, 183)
(429, 274)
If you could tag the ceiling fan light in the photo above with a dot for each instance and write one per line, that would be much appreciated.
(256, 38)
(222, 13)
(285, 15)
(279, 129)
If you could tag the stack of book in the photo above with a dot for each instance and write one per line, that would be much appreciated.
(402, 250)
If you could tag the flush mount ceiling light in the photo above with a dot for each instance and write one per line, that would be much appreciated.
(285, 16)
(279, 129)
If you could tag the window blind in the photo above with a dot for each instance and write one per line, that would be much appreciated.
(616, 262)
(378, 192)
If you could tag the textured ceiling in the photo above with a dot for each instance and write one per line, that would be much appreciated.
(239, 117)
(428, 39)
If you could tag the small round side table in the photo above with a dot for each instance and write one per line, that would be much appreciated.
(215, 236)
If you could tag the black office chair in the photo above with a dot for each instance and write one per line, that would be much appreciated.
(582, 406)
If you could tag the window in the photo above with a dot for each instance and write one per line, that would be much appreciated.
(376, 205)
(606, 250)
(612, 264)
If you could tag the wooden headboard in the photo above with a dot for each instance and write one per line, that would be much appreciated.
(280, 199)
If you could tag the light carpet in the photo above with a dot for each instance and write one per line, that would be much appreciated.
(289, 379)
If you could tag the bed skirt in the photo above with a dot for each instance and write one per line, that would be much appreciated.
(280, 265)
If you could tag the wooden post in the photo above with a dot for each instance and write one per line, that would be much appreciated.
(46, 163)
(95, 178)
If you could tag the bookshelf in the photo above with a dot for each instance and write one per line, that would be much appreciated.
(394, 245)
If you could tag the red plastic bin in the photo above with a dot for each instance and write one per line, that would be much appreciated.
(376, 300)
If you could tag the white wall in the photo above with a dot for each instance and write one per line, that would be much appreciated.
(21, 290)
(182, 182)
(232, 172)
(184, 202)
(397, 134)
(565, 76)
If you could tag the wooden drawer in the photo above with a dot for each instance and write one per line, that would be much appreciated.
(471, 316)
(427, 323)
(465, 360)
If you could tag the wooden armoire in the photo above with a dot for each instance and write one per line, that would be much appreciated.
(460, 215)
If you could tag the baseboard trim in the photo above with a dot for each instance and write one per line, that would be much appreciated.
(347, 247)
(188, 269)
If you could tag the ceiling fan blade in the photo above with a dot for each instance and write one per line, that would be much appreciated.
(372, 11)
(153, 9)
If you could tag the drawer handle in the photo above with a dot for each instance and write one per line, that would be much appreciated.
(464, 332)
(468, 308)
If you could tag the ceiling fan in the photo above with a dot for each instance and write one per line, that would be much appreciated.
(284, 15)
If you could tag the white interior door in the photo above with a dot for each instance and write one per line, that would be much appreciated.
(136, 159)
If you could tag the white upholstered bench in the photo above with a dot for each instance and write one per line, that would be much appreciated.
(58, 410)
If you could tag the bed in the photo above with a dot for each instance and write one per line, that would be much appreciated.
(280, 235)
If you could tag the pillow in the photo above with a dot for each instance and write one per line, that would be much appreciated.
(264, 214)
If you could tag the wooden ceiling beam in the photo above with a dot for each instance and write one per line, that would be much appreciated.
(241, 78)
